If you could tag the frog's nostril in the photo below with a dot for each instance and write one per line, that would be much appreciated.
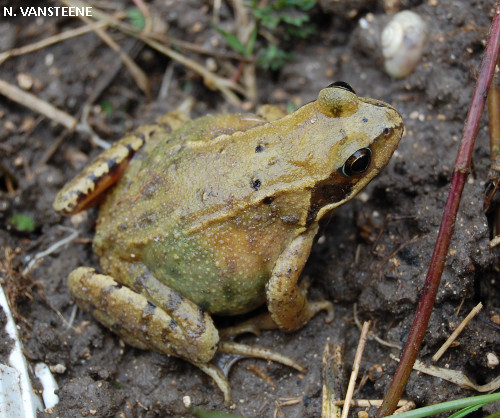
(387, 132)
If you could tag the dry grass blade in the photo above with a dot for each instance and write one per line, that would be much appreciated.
(457, 332)
(139, 76)
(455, 376)
(355, 369)
(225, 86)
(51, 40)
(371, 403)
(40, 106)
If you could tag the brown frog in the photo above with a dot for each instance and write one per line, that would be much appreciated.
(218, 216)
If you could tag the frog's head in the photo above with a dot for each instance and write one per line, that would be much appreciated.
(359, 136)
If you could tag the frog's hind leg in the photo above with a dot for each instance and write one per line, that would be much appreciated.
(86, 189)
(170, 324)
(185, 331)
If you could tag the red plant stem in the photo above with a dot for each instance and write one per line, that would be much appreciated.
(460, 173)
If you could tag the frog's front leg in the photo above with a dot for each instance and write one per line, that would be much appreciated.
(286, 300)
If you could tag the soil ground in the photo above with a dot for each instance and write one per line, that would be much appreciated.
(374, 253)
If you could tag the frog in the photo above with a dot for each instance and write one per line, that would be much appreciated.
(216, 216)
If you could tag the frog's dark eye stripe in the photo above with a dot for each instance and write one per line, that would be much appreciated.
(342, 85)
(357, 163)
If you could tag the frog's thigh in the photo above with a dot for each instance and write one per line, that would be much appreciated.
(286, 301)
(181, 330)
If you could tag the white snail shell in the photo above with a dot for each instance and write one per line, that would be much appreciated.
(403, 41)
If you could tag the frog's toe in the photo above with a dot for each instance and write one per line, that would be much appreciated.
(219, 378)
(322, 305)
(255, 326)
(230, 347)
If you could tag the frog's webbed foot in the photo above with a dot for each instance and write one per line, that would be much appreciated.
(229, 353)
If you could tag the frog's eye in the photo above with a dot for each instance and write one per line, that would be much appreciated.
(342, 85)
(357, 163)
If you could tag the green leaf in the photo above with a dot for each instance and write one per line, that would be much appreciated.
(430, 410)
(273, 58)
(136, 18)
(466, 411)
(22, 223)
(107, 108)
(233, 41)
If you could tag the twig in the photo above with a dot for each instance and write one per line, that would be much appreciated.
(28, 269)
(138, 75)
(457, 332)
(26, 49)
(372, 334)
(458, 180)
(226, 87)
(369, 403)
(333, 375)
(34, 103)
(355, 369)
(454, 376)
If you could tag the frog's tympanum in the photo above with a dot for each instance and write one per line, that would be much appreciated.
(217, 216)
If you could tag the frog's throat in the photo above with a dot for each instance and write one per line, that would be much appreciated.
(327, 208)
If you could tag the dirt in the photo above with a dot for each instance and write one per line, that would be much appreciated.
(374, 253)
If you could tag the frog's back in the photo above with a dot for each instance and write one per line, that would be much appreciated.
(184, 208)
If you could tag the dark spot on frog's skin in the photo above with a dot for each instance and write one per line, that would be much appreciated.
(151, 304)
(365, 120)
(256, 184)
(268, 200)
(118, 286)
(290, 219)
(116, 328)
(259, 148)
(172, 324)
